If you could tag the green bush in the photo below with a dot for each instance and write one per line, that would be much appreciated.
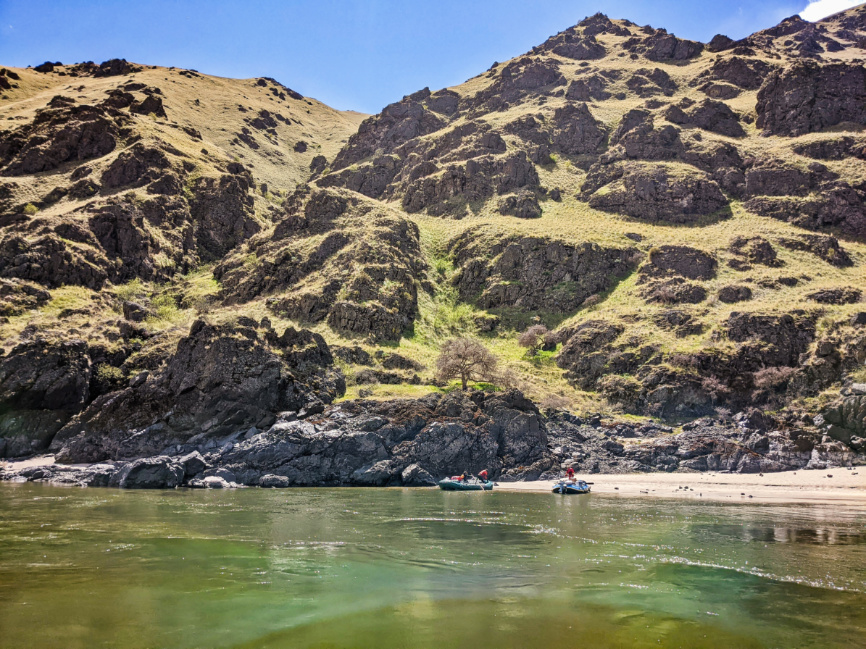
(108, 373)
(164, 307)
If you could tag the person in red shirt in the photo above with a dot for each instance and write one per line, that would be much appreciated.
(483, 475)
(569, 472)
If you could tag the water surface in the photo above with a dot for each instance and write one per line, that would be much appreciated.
(423, 568)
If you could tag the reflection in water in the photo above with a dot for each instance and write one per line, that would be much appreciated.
(364, 568)
(781, 534)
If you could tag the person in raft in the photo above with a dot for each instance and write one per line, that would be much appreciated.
(569, 473)
(483, 475)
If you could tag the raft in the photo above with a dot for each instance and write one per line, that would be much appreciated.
(579, 487)
(449, 484)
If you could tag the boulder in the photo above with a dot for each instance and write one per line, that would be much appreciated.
(416, 476)
(193, 464)
(158, 472)
(271, 481)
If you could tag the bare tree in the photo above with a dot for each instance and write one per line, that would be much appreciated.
(533, 338)
(466, 359)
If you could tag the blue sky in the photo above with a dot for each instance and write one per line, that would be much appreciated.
(350, 54)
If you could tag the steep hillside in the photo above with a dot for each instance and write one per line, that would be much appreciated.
(688, 219)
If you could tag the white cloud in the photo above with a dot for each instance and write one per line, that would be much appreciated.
(819, 9)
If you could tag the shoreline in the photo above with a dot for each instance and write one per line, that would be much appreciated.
(837, 486)
(807, 486)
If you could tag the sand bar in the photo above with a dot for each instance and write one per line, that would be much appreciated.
(830, 486)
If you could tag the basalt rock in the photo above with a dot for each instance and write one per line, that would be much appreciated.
(137, 166)
(647, 83)
(734, 293)
(533, 273)
(42, 385)
(661, 46)
(824, 247)
(753, 250)
(477, 180)
(150, 105)
(220, 380)
(679, 261)
(655, 194)
(845, 295)
(523, 205)
(746, 73)
(398, 442)
(523, 77)
(837, 206)
(369, 259)
(396, 124)
(809, 96)
(710, 115)
(675, 290)
(833, 149)
(59, 135)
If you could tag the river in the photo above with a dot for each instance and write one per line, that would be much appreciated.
(422, 568)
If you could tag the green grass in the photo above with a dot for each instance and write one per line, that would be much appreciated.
(131, 291)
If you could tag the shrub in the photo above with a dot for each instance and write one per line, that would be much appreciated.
(30, 209)
(164, 307)
(714, 387)
(533, 338)
(555, 402)
(686, 361)
(108, 373)
(552, 339)
(770, 378)
(466, 359)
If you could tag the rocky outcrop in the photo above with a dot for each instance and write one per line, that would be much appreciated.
(533, 273)
(59, 135)
(809, 96)
(479, 179)
(752, 250)
(654, 193)
(823, 247)
(42, 385)
(709, 114)
(18, 296)
(396, 124)
(521, 78)
(745, 73)
(835, 207)
(401, 442)
(660, 46)
(219, 380)
(333, 257)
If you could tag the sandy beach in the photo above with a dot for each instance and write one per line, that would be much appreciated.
(830, 486)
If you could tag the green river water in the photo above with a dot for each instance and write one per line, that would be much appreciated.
(423, 568)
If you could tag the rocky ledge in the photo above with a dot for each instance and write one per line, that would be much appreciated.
(414, 442)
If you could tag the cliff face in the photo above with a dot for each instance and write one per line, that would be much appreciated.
(689, 219)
